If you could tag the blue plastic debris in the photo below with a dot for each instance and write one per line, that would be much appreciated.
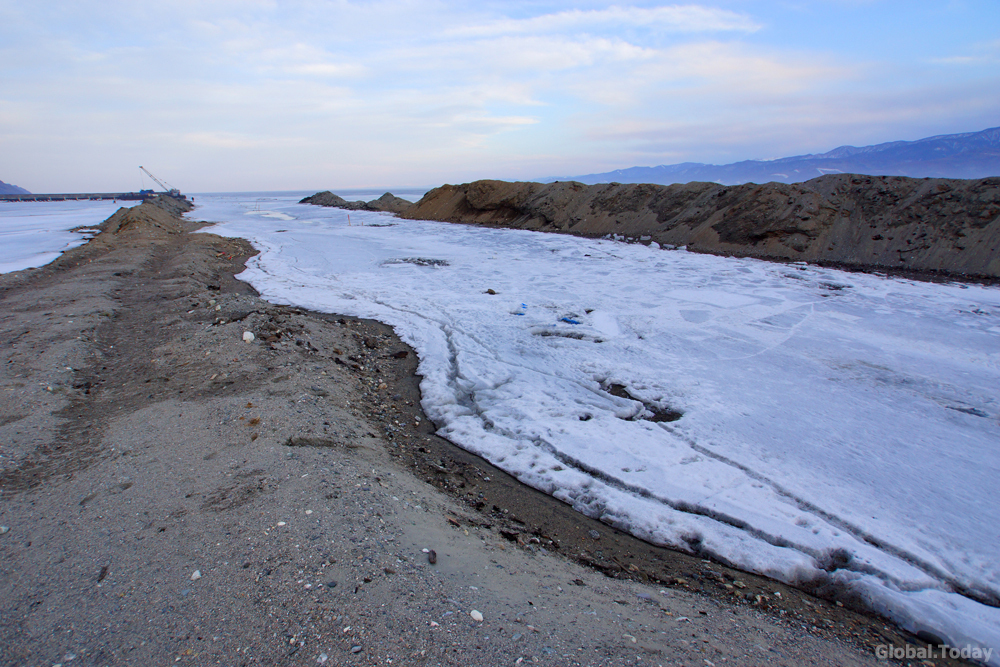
(524, 307)
(568, 320)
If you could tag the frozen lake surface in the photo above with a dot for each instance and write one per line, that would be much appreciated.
(809, 424)
(832, 426)
(33, 234)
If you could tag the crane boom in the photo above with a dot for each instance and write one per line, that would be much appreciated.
(166, 186)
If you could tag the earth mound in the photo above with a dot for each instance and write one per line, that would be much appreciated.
(928, 226)
(386, 203)
(159, 214)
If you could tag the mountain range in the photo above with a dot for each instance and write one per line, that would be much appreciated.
(8, 189)
(967, 155)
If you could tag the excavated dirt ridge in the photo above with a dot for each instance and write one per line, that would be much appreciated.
(924, 227)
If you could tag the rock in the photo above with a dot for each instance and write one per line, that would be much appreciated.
(594, 535)
(355, 649)
(196, 575)
(248, 336)
(387, 203)
(432, 557)
(4, 529)
(327, 198)
(322, 658)
(476, 616)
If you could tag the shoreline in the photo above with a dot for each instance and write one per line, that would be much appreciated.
(326, 391)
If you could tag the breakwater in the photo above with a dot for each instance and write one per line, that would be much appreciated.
(84, 196)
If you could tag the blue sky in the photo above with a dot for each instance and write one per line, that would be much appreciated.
(252, 95)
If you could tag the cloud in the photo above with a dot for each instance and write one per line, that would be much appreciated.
(982, 53)
(237, 95)
(674, 18)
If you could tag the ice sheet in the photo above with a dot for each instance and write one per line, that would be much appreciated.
(836, 428)
(33, 234)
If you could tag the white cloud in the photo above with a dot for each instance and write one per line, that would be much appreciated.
(263, 94)
(983, 53)
(674, 18)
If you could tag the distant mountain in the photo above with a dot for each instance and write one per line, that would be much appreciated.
(8, 189)
(968, 155)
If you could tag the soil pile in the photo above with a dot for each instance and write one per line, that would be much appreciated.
(930, 226)
(159, 214)
(386, 203)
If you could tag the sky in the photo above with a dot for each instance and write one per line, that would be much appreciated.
(241, 95)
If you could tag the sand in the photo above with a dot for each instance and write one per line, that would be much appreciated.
(175, 494)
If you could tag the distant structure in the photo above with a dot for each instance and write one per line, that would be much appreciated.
(92, 196)
(171, 191)
(24, 195)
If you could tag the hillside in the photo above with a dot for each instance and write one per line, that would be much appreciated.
(939, 226)
(968, 155)
(8, 189)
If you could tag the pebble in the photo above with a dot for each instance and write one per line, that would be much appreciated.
(248, 336)
(355, 649)
(4, 529)
(432, 557)
(594, 534)
(323, 657)
(476, 616)
(196, 575)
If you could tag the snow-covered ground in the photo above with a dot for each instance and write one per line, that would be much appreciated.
(833, 427)
(33, 234)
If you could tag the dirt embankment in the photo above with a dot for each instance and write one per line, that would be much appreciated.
(936, 226)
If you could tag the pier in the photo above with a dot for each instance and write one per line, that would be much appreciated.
(84, 196)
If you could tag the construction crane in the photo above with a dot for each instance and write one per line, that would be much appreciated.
(171, 190)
